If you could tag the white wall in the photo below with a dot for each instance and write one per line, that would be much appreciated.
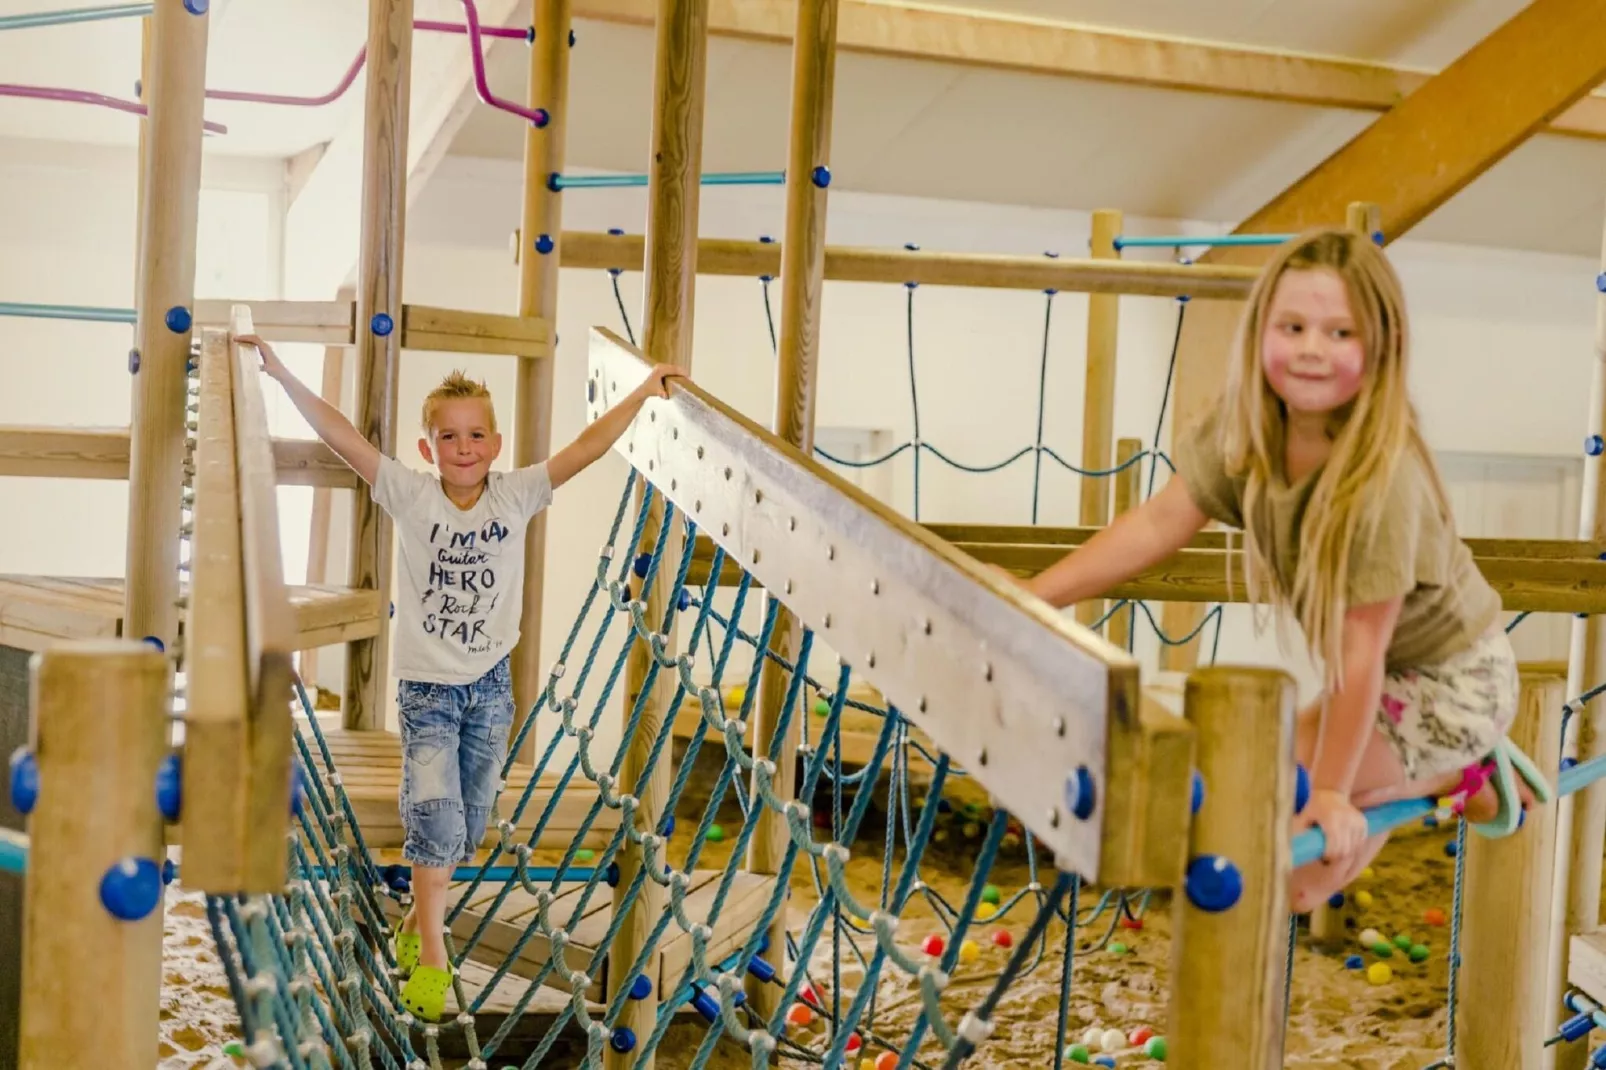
(1503, 346)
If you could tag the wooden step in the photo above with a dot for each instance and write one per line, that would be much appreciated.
(1586, 964)
(103, 452)
(36, 612)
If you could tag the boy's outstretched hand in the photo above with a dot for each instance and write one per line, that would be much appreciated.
(656, 385)
(270, 360)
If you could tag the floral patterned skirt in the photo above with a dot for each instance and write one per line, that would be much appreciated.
(1444, 717)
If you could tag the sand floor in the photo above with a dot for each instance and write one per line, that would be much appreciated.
(1338, 1018)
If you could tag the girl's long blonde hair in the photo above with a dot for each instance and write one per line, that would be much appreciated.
(1370, 436)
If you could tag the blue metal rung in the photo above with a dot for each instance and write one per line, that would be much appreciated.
(712, 178)
(1167, 241)
(82, 14)
(82, 313)
(13, 852)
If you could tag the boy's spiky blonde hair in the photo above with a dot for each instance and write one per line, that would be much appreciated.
(454, 386)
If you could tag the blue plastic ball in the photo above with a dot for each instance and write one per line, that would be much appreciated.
(1335, 900)
(668, 828)
(613, 874)
(1600, 282)
(24, 781)
(1198, 791)
(178, 319)
(640, 988)
(1354, 962)
(131, 888)
(1301, 788)
(170, 787)
(381, 324)
(622, 1040)
(1213, 883)
(1450, 848)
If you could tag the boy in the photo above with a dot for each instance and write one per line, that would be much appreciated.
(459, 583)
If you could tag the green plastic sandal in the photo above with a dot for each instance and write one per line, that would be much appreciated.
(424, 994)
(407, 947)
(1509, 763)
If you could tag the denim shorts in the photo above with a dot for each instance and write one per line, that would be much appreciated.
(454, 741)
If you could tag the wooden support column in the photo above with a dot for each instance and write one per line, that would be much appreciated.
(541, 231)
(1128, 492)
(379, 294)
(680, 70)
(91, 982)
(1586, 810)
(1505, 927)
(1228, 966)
(802, 285)
(1098, 397)
(165, 303)
(323, 502)
(1411, 160)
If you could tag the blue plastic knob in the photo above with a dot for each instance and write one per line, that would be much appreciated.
(766, 239)
(668, 828)
(640, 988)
(178, 319)
(704, 1004)
(1594, 445)
(1450, 848)
(1081, 796)
(1568, 763)
(1301, 788)
(1335, 900)
(24, 780)
(381, 324)
(642, 563)
(1377, 237)
(613, 874)
(622, 1039)
(554, 182)
(571, 38)
(170, 787)
(133, 362)
(616, 232)
(131, 888)
(1600, 282)
(544, 244)
(1198, 792)
(683, 603)
(821, 176)
(1213, 883)
(197, 7)
(1597, 1061)
(761, 969)
(541, 118)
(152, 641)
(169, 871)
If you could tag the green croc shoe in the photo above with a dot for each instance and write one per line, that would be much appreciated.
(424, 994)
(406, 947)
(1510, 763)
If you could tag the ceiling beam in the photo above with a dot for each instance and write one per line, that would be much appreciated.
(322, 225)
(1036, 46)
(1407, 163)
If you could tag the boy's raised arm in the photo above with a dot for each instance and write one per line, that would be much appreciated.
(328, 422)
(596, 439)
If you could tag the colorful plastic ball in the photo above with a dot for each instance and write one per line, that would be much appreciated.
(1156, 1049)
(1434, 916)
(1379, 973)
(854, 1043)
(809, 996)
(622, 1040)
(1354, 962)
(866, 1064)
(131, 888)
(1369, 937)
(1003, 939)
(1383, 949)
(715, 834)
(1139, 1036)
(1092, 1036)
(1117, 948)
(1010, 841)
(1362, 899)
(985, 911)
(799, 1015)
(1450, 848)
(1112, 1040)
(585, 854)
(1077, 1053)
(1418, 952)
(822, 708)
(933, 945)
(969, 952)
(1403, 941)
(1105, 1060)
(736, 695)
(887, 1060)
(1135, 924)
(1335, 900)
(1366, 874)
(991, 894)
(971, 830)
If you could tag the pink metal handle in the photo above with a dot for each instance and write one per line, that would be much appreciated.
(538, 116)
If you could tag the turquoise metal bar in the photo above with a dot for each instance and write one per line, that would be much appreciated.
(712, 178)
(82, 14)
(1167, 241)
(82, 313)
(13, 852)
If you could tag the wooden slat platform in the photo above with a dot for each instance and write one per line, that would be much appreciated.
(743, 905)
(369, 764)
(1586, 964)
(38, 611)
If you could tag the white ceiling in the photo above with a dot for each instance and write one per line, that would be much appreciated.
(900, 126)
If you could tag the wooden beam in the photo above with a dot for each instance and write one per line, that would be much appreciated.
(1014, 692)
(329, 322)
(723, 256)
(541, 217)
(102, 453)
(1059, 49)
(446, 330)
(680, 77)
(172, 190)
(796, 379)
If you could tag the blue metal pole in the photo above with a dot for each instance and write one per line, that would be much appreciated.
(1177, 240)
(712, 178)
(13, 852)
(82, 14)
(83, 313)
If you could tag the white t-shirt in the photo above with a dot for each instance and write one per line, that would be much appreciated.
(459, 572)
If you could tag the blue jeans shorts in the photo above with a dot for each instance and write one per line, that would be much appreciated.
(454, 741)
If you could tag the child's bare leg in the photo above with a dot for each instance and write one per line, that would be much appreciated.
(429, 913)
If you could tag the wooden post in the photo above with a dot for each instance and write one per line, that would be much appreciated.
(1228, 967)
(1128, 491)
(171, 192)
(1098, 398)
(1584, 814)
(90, 982)
(1505, 912)
(379, 294)
(802, 284)
(680, 68)
(541, 228)
(334, 375)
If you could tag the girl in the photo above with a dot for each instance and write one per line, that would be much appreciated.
(1315, 453)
